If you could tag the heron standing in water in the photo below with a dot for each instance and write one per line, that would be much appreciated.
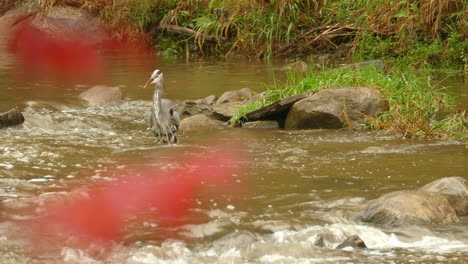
(163, 119)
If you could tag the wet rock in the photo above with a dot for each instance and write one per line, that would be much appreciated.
(455, 189)
(361, 65)
(325, 109)
(353, 241)
(261, 124)
(100, 95)
(198, 123)
(225, 111)
(276, 111)
(195, 107)
(241, 241)
(234, 96)
(296, 66)
(11, 118)
(407, 208)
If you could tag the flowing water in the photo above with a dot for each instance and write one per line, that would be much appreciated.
(299, 185)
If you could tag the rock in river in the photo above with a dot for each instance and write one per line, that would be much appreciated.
(100, 95)
(198, 123)
(353, 241)
(407, 208)
(235, 96)
(455, 189)
(195, 107)
(11, 118)
(325, 109)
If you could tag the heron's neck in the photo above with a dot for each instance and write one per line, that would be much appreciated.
(159, 89)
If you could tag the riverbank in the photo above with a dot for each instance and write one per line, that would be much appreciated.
(418, 106)
(422, 34)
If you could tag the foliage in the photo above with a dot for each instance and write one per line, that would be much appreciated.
(418, 108)
(426, 33)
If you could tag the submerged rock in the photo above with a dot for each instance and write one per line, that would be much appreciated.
(296, 66)
(11, 118)
(325, 109)
(365, 64)
(353, 241)
(195, 107)
(241, 241)
(455, 189)
(100, 95)
(198, 123)
(407, 208)
(261, 124)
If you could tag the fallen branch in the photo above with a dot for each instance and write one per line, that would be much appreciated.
(190, 32)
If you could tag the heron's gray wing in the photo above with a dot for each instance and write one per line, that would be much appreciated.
(151, 117)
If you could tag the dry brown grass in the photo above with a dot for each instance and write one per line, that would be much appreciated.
(427, 16)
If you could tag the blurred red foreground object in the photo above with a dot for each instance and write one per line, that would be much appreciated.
(101, 215)
(42, 53)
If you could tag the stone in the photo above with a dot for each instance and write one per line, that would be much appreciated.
(195, 107)
(361, 65)
(58, 22)
(299, 65)
(325, 109)
(63, 21)
(261, 124)
(198, 123)
(11, 118)
(455, 189)
(353, 241)
(241, 241)
(100, 95)
(225, 111)
(234, 96)
(408, 208)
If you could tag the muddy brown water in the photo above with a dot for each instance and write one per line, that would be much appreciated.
(299, 184)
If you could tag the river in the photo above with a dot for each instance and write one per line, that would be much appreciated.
(299, 185)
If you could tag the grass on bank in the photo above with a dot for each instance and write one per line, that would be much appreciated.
(424, 31)
(418, 107)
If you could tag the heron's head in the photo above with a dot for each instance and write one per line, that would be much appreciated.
(155, 77)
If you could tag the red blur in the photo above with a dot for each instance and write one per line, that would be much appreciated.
(101, 215)
(42, 54)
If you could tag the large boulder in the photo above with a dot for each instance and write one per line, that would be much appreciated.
(198, 123)
(326, 108)
(407, 208)
(57, 22)
(100, 95)
(11, 118)
(195, 107)
(455, 189)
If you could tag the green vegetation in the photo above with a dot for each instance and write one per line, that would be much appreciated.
(407, 33)
(425, 33)
(418, 108)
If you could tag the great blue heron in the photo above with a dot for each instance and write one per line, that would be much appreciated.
(163, 118)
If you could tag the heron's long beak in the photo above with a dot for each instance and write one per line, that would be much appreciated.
(148, 83)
